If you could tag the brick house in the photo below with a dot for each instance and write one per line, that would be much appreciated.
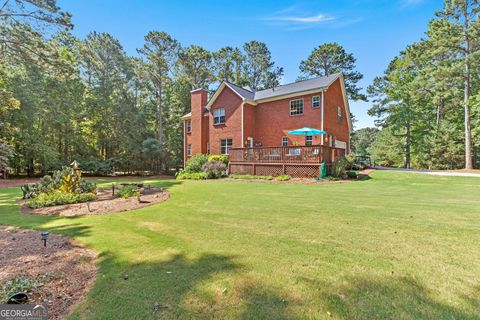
(252, 126)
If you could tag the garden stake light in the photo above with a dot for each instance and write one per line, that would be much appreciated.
(44, 238)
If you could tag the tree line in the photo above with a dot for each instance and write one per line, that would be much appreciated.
(427, 102)
(63, 98)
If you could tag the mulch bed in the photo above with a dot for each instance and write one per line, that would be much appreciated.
(105, 203)
(65, 271)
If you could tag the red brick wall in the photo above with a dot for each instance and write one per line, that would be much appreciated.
(333, 100)
(249, 121)
(198, 138)
(233, 119)
(273, 121)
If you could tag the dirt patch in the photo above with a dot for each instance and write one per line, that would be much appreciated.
(63, 272)
(105, 203)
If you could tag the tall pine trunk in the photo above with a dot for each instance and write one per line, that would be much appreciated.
(466, 98)
(406, 160)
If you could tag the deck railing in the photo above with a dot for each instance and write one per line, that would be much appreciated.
(281, 155)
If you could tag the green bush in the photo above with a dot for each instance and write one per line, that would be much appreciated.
(339, 166)
(96, 167)
(352, 174)
(66, 180)
(195, 163)
(58, 197)
(184, 175)
(218, 157)
(283, 177)
(128, 191)
(87, 186)
(248, 176)
(215, 169)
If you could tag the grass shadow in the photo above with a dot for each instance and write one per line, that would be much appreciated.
(393, 298)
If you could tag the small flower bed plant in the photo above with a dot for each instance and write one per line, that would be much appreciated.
(65, 186)
(202, 166)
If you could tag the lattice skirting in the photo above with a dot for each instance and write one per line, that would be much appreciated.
(298, 171)
(303, 171)
(241, 168)
(268, 170)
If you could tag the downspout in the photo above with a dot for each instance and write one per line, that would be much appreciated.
(323, 113)
(184, 144)
(243, 129)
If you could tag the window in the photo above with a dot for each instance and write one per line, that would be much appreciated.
(189, 150)
(188, 126)
(339, 113)
(315, 101)
(284, 141)
(208, 147)
(308, 140)
(219, 116)
(296, 107)
(225, 145)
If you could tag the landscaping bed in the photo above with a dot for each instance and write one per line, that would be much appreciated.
(57, 276)
(104, 203)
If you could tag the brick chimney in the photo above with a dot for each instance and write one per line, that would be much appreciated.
(199, 100)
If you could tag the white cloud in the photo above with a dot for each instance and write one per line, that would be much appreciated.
(312, 19)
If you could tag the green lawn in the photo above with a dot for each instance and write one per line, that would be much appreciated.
(396, 246)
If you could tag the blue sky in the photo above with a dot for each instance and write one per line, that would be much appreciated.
(373, 30)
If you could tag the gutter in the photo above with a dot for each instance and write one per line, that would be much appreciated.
(323, 113)
(243, 128)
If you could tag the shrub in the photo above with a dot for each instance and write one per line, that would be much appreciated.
(128, 191)
(215, 169)
(339, 166)
(96, 167)
(283, 177)
(58, 197)
(247, 176)
(195, 163)
(352, 174)
(184, 175)
(87, 186)
(219, 157)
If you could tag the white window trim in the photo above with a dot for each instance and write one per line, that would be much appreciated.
(311, 141)
(319, 102)
(218, 109)
(226, 145)
(290, 108)
(188, 126)
(189, 149)
(283, 140)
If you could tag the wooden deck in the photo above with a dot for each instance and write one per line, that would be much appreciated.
(296, 161)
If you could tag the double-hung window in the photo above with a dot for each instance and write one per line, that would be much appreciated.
(225, 145)
(315, 101)
(219, 116)
(296, 107)
(339, 115)
(189, 150)
(308, 140)
(284, 141)
(188, 126)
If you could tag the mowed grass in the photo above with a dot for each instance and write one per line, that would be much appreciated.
(396, 246)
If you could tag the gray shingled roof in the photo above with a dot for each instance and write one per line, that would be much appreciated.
(247, 94)
(299, 86)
